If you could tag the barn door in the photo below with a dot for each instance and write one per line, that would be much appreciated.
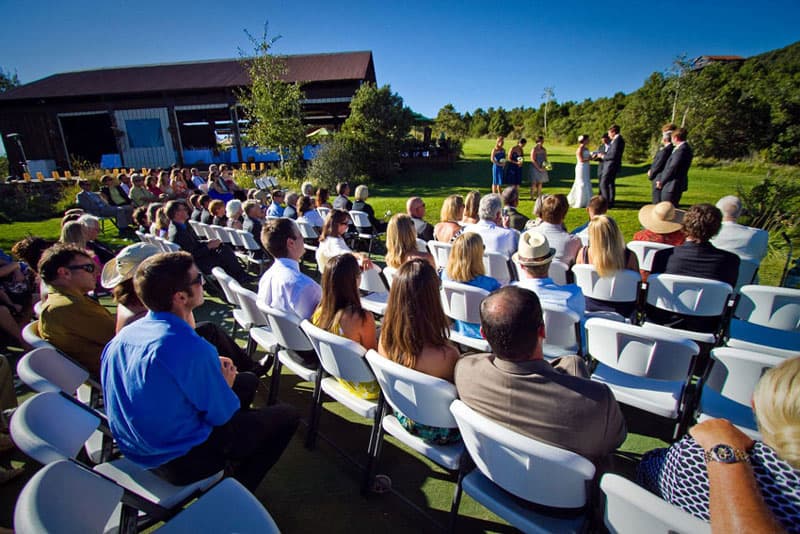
(146, 141)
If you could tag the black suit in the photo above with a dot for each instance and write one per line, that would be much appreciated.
(206, 217)
(516, 220)
(254, 226)
(206, 258)
(659, 161)
(675, 176)
(612, 162)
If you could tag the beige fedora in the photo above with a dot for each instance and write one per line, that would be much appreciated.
(661, 218)
(122, 267)
(533, 249)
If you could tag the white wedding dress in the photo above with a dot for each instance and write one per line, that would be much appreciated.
(581, 191)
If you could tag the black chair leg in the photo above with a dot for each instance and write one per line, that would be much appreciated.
(274, 383)
(375, 443)
(316, 412)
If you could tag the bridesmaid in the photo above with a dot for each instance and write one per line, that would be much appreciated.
(498, 158)
(538, 172)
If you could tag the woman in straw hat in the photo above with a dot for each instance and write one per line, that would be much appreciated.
(662, 224)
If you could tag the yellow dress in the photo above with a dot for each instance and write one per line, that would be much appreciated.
(363, 390)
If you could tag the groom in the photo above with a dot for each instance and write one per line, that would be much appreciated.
(612, 161)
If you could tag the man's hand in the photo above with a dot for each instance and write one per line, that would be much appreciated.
(228, 369)
(715, 431)
(658, 184)
(213, 243)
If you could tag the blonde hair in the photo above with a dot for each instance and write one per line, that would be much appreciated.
(74, 233)
(471, 204)
(776, 402)
(401, 240)
(466, 258)
(607, 244)
(362, 193)
(452, 209)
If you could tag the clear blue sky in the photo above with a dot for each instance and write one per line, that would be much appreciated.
(471, 54)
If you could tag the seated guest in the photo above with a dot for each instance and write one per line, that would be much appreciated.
(679, 474)
(515, 219)
(415, 208)
(93, 203)
(163, 183)
(177, 184)
(608, 254)
(17, 289)
(192, 204)
(174, 404)
(341, 202)
(290, 211)
(206, 217)
(321, 200)
(471, 205)
(74, 233)
(418, 340)
(554, 402)
(218, 188)
(140, 219)
(275, 208)
(554, 211)
(340, 313)
(152, 185)
(697, 256)
(307, 213)
(200, 207)
(662, 223)
(217, 210)
(252, 221)
(206, 254)
(92, 229)
(361, 196)
(152, 217)
(331, 242)
(307, 189)
(746, 242)
(113, 194)
(124, 184)
(197, 180)
(490, 227)
(534, 257)
(401, 242)
(76, 324)
(140, 195)
(466, 266)
(234, 214)
(598, 205)
(449, 225)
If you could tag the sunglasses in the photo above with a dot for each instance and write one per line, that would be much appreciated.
(198, 280)
(88, 267)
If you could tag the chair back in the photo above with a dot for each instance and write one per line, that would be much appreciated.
(747, 272)
(235, 239)
(48, 427)
(631, 508)
(557, 272)
(141, 235)
(440, 252)
(371, 281)
(202, 230)
(528, 469)
(222, 234)
(360, 220)
(688, 295)
(497, 267)
(561, 327)
(774, 307)
(736, 372)
(225, 281)
(639, 351)
(462, 302)
(340, 357)
(645, 252)
(622, 286)
(323, 212)
(45, 369)
(422, 246)
(389, 273)
(65, 497)
(306, 229)
(30, 333)
(420, 397)
(286, 328)
(247, 301)
(249, 241)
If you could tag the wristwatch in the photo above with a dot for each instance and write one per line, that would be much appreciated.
(726, 454)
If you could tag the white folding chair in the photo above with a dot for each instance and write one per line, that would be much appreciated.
(361, 221)
(631, 509)
(309, 234)
(377, 292)
(650, 370)
(323, 212)
(747, 273)
(462, 302)
(222, 233)
(440, 252)
(728, 388)
(341, 359)
(225, 280)
(258, 331)
(253, 251)
(30, 333)
(510, 463)
(194, 226)
(422, 398)
(389, 273)
(422, 245)
(557, 272)
(141, 235)
(620, 288)
(645, 251)
(497, 267)
(562, 330)
(766, 319)
(201, 229)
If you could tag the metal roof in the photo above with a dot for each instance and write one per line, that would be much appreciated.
(212, 74)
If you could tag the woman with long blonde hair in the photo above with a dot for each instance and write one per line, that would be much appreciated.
(414, 334)
(401, 242)
(471, 205)
(449, 224)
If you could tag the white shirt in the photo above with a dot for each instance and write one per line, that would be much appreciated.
(495, 238)
(284, 287)
(313, 218)
(330, 248)
(566, 245)
(746, 242)
(568, 295)
(198, 181)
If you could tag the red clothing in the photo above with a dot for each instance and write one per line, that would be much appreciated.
(674, 238)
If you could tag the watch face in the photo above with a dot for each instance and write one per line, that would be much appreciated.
(724, 454)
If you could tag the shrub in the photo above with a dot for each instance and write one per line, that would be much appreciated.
(774, 204)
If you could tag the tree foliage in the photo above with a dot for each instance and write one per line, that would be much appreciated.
(8, 80)
(450, 121)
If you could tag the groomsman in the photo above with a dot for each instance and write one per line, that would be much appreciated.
(660, 160)
(612, 162)
(673, 180)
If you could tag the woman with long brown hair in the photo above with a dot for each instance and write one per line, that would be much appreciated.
(332, 243)
(471, 205)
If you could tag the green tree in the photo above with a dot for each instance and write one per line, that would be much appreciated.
(498, 122)
(479, 126)
(8, 80)
(450, 121)
(272, 104)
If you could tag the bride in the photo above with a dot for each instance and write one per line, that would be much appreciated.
(581, 191)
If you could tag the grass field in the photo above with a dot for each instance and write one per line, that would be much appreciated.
(313, 491)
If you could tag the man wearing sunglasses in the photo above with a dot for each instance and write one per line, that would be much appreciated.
(70, 320)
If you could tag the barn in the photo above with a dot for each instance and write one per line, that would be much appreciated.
(159, 115)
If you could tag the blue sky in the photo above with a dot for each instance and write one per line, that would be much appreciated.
(471, 54)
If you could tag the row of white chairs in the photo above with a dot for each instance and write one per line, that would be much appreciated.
(266, 182)
(163, 244)
(244, 244)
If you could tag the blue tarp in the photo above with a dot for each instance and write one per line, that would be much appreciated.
(110, 161)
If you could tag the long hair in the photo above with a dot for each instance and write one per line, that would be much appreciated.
(74, 233)
(466, 258)
(414, 316)
(331, 226)
(401, 239)
(608, 245)
(452, 209)
(339, 291)
(471, 204)
(776, 403)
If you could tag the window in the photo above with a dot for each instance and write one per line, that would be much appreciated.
(144, 133)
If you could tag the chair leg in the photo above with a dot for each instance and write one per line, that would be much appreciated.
(462, 471)
(316, 412)
(274, 382)
(376, 441)
(251, 346)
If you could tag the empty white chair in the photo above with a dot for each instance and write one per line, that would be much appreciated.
(30, 333)
(747, 272)
(377, 291)
(650, 370)
(225, 280)
(622, 288)
(728, 389)
(645, 251)
(631, 509)
(201, 229)
(562, 330)
(440, 252)
(342, 359)
(461, 302)
(767, 319)
(255, 254)
(309, 234)
(361, 221)
(258, 331)
(510, 463)
(497, 267)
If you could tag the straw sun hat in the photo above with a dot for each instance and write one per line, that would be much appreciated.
(533, 249)
(661, 218)
(123, 266)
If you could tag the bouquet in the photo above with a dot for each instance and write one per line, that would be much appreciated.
(546, 165)
(501, 161)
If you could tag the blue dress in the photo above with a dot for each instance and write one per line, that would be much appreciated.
(497, 168)
(483, 282)
(513, 173)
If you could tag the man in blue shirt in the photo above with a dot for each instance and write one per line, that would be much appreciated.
(175, 405)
